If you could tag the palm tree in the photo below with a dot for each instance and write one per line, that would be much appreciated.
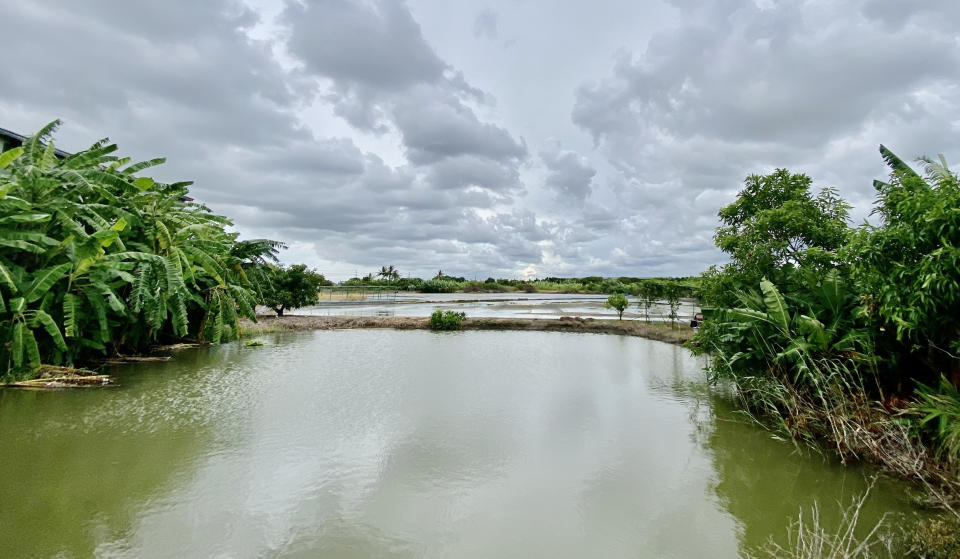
(389, 273)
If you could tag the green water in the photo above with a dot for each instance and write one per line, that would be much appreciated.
(405, 444)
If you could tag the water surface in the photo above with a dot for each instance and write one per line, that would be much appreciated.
(500, 305)
(405, 444)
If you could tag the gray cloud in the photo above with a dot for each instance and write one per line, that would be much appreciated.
(570, 174)
(485, 24)
(436, 125)
(736, 89)
(365, 133)
(376, 44)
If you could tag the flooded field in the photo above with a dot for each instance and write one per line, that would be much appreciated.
(493, 305)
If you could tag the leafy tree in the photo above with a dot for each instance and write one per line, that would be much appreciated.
(611, 285)
(293, 287)
(672, 291)
(776, 225)
(618, 302)
(648, 292)
(909, 264)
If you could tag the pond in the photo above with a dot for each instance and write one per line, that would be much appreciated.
(360, 443)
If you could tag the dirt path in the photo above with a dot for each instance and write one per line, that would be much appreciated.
(661, 332)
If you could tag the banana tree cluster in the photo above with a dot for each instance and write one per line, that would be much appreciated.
(95, 259)
(804, 340)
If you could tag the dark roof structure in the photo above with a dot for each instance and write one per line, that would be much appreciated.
(10, 139)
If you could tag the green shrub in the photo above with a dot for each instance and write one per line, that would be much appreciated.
(440, 286)
(941, 418)
(446, 320)
(618, 302)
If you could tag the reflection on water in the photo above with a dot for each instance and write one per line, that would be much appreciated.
(388, 443)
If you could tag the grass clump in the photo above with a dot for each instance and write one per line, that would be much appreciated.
(446, 320)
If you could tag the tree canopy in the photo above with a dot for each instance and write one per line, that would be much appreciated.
(909, 265)
(776, 221)
(293, 287)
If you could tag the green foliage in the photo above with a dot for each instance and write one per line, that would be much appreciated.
(618, 302)
(671, 293)
(805, 341)
(939, 409)
(389, 273)
(446, 320)
(909, 265)
(612, 285)
(846, 316)
(776, 225)
(94, 259)
(440, 286)
(485, 287)
(293, 287)
(648, 293)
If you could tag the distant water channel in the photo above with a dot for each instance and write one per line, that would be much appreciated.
(362, 443)
(503, 305)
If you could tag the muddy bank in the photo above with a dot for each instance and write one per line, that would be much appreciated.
(660, 332)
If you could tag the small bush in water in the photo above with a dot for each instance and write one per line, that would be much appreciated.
(446, 320)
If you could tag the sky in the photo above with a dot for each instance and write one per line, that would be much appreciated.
(509, 138)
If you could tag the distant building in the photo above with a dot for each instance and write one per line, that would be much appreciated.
(10, 139)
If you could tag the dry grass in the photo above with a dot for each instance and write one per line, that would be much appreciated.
(52, 376)
(809, 539)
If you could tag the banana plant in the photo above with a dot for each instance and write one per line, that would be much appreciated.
(95, 259)
(804, 340)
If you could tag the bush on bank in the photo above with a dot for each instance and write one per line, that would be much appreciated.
(446, 320)
(843, 334)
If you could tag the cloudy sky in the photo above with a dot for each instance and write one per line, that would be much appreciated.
(501, 138)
